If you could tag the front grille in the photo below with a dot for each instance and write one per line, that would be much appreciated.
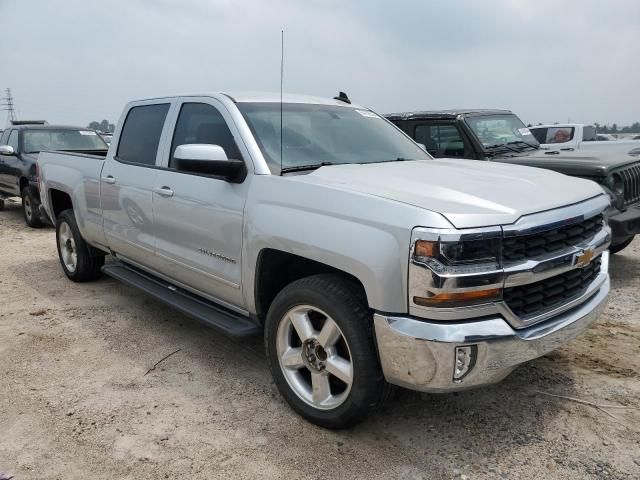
(536, 298)
(631, 178)
(529, 246)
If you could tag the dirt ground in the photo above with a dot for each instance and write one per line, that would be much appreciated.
(76, 401)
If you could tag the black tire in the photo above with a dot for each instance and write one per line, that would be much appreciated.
(1, 204)
(31, 208)
(621, 246)
(89, 260)
(340, 300)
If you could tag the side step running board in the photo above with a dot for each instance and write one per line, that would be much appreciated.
(209, 313)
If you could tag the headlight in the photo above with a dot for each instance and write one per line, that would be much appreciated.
(463, 254)
(456, 269)
(616, 183)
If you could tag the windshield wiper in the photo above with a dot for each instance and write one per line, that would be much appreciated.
(302, 168)
(501, 145)
(522, 142)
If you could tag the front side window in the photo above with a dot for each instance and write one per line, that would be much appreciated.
(440, 140)
(559, 134)
(204, 124)
(4, 137)
(313, 134)
(141, 133)
(39, 140)
(540, 134)
(498, 130)
(13, 140)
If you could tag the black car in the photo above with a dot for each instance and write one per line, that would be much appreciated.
(500, 136)
(19, 148)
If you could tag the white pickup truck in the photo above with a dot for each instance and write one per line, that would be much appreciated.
(365, 262)
(578, 136)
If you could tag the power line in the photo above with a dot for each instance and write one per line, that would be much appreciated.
(7, 103)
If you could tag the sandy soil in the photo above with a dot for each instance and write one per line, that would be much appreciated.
(75, 402)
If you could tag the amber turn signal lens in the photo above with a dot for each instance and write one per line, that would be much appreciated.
(425, 248)
(458, 298)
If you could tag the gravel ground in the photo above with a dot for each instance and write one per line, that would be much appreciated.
(76, 401)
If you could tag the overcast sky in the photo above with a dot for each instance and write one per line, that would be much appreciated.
(74, 61)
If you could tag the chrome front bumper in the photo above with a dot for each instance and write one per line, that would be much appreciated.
(420, 354)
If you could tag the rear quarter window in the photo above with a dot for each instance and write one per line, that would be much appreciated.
(141, 133)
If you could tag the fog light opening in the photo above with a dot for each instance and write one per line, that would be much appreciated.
(465, 360)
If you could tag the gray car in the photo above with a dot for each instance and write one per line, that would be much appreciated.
(363, 261)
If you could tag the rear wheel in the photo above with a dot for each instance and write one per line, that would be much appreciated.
(321, 350)
(622, 245)
(31, 208)
(79, 260)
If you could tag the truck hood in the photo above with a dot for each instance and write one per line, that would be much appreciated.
(591, 163)
(468, 193)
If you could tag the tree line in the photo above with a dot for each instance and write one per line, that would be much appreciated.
(103, 126)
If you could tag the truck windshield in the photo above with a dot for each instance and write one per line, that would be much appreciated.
(498, 130)
(313, 135)
(39, 140)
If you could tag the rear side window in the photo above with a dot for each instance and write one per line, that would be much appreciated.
(204, 124)
(141, 134)
(589, 134)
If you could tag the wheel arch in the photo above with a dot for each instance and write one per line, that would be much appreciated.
(275, 269)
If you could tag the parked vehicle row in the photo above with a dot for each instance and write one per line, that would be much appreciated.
(363, 261)
(20, 145)
(500, 136)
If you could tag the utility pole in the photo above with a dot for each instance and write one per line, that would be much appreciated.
(7, 103)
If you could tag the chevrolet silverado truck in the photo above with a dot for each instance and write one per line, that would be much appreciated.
(363, 261)
(500, 136)
(19, 148)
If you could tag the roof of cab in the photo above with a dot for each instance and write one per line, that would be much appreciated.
(264, 97)
(453, 113)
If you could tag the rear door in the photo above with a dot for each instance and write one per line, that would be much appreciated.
(198, 219)
(127, 181)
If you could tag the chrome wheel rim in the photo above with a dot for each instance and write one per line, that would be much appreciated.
(67, 244)
(314, 357)
(27, 207)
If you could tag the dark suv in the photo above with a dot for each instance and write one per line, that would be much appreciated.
(19, 148)
(500, 136)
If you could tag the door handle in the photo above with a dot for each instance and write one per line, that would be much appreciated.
(109, 179)
(163, 191)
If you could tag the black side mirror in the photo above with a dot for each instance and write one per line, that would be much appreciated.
(209, 160)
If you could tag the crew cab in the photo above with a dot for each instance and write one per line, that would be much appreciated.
(363, 261)
(577, 136)
(500, 136)
(19, 148)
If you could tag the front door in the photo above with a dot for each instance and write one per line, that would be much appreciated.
(9, 182)
(198, 219)
(126, 184)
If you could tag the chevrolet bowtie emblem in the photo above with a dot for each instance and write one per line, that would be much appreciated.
(583, 259)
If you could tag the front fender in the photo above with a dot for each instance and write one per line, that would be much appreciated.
(363, 235)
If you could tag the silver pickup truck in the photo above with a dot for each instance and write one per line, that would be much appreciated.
(365, 262)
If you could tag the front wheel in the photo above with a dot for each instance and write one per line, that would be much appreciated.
(79, 260)
(321, 350)
(621, 246)
(30, 208)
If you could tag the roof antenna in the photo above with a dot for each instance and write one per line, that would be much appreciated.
(281, 86)
(342, 97)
